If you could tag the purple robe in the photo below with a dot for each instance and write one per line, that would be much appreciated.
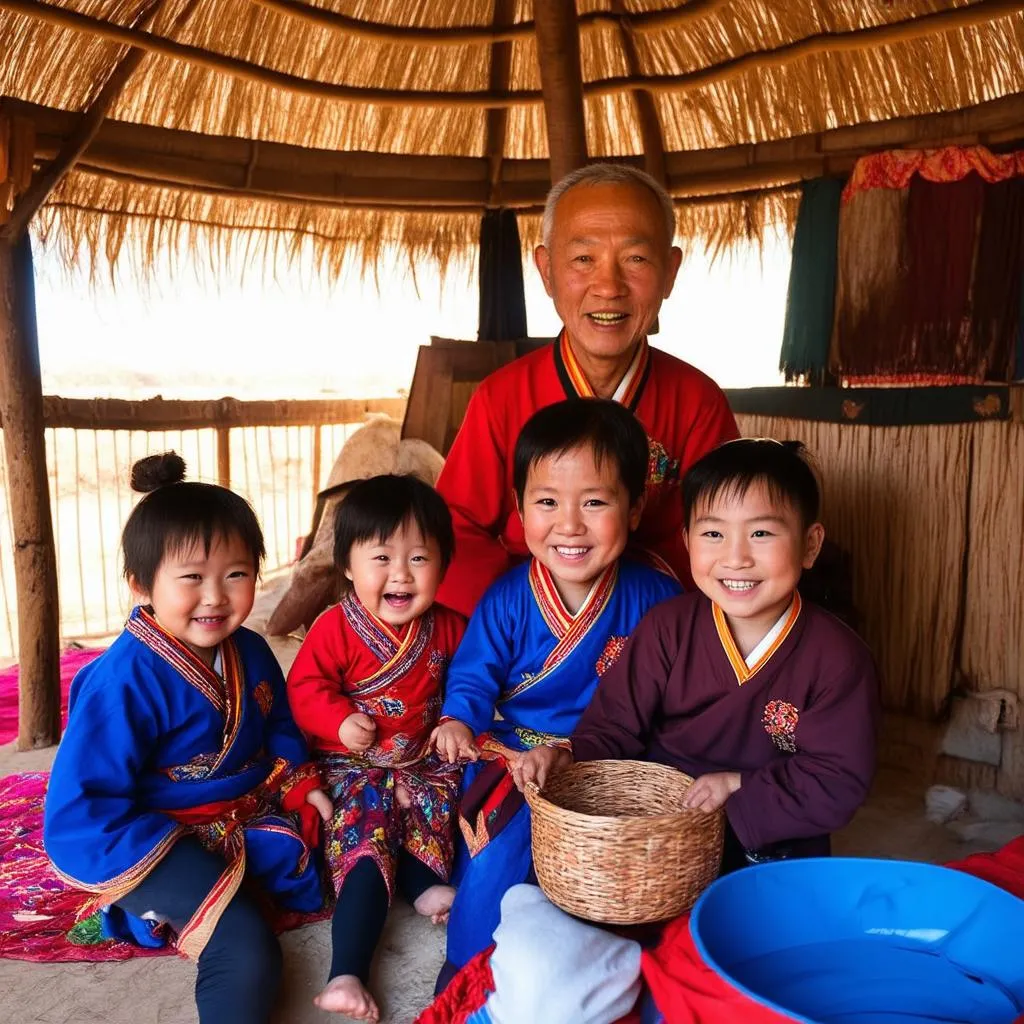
(800, 726)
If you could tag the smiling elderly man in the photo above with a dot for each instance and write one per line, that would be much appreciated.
(608, 263)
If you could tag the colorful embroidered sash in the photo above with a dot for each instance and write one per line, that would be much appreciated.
(568, 629)
(745, 673)
(575, 382)
(397, 654)
(224, 694)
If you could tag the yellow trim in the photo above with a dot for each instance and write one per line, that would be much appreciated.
(736, 660)
(579, 378)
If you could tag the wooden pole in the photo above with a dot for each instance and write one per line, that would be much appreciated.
(35, 561)
(561, 79)
(497, 118)
(224, 456)
(643, 102)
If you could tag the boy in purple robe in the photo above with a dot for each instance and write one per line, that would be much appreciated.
(770, 703)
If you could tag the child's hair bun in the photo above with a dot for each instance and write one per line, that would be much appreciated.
(157, 471)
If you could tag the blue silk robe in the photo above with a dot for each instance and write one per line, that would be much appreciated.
(158, 745)
(524, 673)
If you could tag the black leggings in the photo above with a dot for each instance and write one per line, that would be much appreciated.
(362, 909)
(240, 967)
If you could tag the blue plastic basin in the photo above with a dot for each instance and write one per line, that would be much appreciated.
(850, 941)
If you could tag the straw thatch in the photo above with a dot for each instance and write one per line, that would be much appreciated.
(318, 90)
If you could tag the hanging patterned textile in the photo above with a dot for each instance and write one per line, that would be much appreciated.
(871, 257)
(999, 280)
(812, 283)
(930, 267)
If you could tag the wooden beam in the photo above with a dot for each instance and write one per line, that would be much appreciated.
(223, 413)
(223, 165)
(35, 561)
(497, 32)
(907, 30)
(643, 102)
(497, 118)
(90, 122)
(561, 77)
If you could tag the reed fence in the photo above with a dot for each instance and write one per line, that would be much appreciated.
(276, 454)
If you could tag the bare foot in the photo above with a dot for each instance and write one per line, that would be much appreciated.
(435, 903)
(346, 994)
(403, 797)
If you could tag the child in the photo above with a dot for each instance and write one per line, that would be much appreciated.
(540, 638)
(366, 686)
(180, 761)
(769, 702)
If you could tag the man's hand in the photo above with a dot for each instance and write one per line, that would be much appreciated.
(709, 792)
(537, 764)
(322, 802)
(358, 732)
(453, 740)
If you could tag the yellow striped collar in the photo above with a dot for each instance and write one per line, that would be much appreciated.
(763, 652)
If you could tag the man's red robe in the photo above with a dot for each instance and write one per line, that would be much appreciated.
(683, 411)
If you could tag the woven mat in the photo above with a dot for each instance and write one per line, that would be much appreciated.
(38, 912)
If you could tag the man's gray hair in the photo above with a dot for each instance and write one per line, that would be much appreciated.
(607, 174)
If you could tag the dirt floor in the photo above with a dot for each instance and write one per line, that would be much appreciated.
(159, 991)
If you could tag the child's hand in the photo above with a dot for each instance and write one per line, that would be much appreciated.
(358, 732)
(537, 764)
(454, 740)
(322, 802)
(709, 792)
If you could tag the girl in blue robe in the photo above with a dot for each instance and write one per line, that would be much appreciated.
(539, 640)
(181, 771)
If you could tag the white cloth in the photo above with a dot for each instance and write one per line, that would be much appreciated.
(768, 639)
(551, 967)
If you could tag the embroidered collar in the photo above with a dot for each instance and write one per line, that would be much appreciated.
(397, 652)
(746, 668)
(575, 382)
(567, 628)
(142, 624)
(383, 639)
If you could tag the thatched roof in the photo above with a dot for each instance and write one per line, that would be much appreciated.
(359, 123)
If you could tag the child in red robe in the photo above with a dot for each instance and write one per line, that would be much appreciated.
(770, 703)
(366, 688)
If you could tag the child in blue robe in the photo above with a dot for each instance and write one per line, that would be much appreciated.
(181, 766)
(539, 640)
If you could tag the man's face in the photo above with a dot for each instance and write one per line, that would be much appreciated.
(608, 267)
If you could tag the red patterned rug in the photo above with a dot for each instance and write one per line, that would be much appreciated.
(71, 661)
(38, 912)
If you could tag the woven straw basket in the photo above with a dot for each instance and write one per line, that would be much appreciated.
(613, 843)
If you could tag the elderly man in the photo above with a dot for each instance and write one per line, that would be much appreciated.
(608, 263)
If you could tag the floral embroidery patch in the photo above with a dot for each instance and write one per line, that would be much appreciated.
(612, 649)
(437, 663)
(660, 468)
(264, 697)
(780, 719)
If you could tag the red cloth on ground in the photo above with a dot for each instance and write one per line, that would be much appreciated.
(70, 662)
(1004, 868)
(465, 994)
(687, 991)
